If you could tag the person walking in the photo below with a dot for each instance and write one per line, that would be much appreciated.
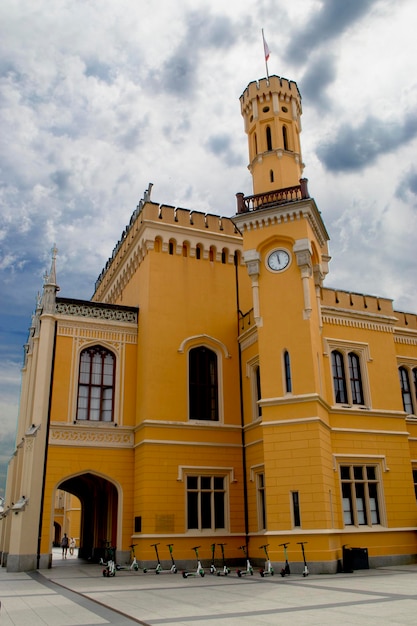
(72, 546)
(64, 546)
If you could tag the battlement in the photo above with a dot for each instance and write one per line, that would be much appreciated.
(356, 302)
(265, 90)
(176, 217)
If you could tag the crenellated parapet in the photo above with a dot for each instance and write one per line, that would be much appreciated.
(166, 228)
(274, 90)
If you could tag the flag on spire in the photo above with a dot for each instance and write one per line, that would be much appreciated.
(266, 53)
(266, 49)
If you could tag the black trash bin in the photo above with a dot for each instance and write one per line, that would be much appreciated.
(360, 558)
(347, 560)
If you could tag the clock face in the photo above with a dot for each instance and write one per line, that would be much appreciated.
(278, 260)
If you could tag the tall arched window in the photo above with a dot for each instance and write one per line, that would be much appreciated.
(287, 366)
(268, 138)
(271, 176)
(339, 380)
(285, 137)
(258, 388)
(203, 384)
(96, 385)
(355, 378)
(405, 390)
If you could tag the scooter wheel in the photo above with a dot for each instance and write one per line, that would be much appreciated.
(136, 567)
(184, 575)
(272, 572)
(105, 573)
(239, 573)
(202, 574)
(262, 573)
(112, 573)
(175, 571)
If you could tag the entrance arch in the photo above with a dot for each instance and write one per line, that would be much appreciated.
(99, 512)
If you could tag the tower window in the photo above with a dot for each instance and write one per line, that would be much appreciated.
(287, 367)
(265, 109)
(171, 247)
(203, 384)
(268, 138)
(96, 385)
(255, 143)
(285, 137)
(271, 176)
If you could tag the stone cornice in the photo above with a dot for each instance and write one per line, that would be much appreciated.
(281, 213)
(358, 319)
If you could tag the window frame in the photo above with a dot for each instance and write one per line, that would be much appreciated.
(253, 373)
(202, 474)
(408, 373)
(362, 353)
(361, 491)
(101, 388)
(217, 385)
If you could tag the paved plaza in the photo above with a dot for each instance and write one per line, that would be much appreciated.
(75, 593)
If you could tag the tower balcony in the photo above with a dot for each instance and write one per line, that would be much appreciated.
(246, 204)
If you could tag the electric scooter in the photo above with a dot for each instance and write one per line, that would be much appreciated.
(249, 568)
(134, 564)
(199, 571)
(110, 569)
(269, 570)
(173, 569)
(225, 570)
(305, 572)
(285, 571)
(213, 569)
(158, 568)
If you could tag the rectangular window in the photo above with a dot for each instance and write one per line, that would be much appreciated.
(296, 509)
(206, 503)
(360, 498)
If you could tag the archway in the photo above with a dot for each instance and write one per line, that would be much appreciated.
(99, 507)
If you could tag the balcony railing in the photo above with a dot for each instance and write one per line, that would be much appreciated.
(269, 198)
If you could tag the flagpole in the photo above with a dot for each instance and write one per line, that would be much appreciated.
(266, 54)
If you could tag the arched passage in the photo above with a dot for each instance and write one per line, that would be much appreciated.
(99, 508)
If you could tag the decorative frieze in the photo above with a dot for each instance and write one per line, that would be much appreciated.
(85, 309)
(91, 436)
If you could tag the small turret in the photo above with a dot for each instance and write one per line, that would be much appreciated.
(271, 109)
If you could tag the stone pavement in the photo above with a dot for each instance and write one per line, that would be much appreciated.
(74, 593)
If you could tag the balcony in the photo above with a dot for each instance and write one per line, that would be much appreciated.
(272, 198)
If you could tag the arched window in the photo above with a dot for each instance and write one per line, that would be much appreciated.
(339, 380)
(184, 249)
(198, 252)
(406, 389)
(347, 378)
(355, 378)
(96, 385)
(171, 247)
(271, 176)
(268, 138)
(287, 367)
(258, 388)
(255, 144)
(285, 137)
(203, 384)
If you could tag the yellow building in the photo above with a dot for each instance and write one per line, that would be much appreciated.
(213, 390)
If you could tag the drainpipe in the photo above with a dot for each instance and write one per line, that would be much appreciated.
(38, 555)
(242, 420)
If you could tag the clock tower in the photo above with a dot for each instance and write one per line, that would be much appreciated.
(286, 255)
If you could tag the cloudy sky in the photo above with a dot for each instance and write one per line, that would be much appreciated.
(98, 98)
